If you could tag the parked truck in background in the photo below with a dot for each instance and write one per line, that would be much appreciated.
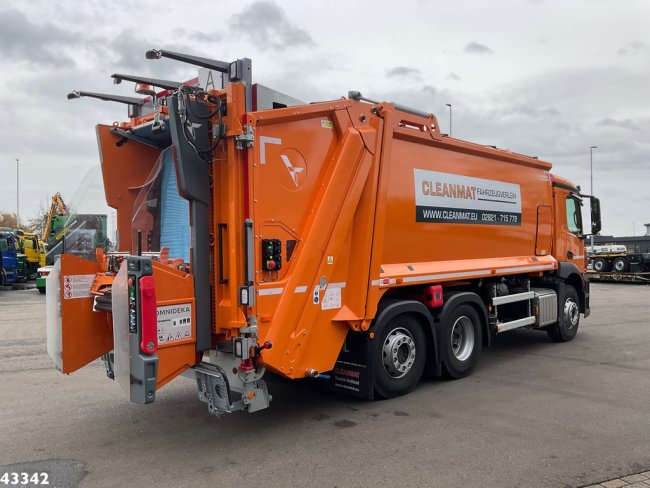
(33, 251)
(23, 267)
(614, 262)
(347, 240)
(8, 258)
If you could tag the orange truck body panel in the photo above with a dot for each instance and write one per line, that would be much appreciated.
(368, 202)
(348, 201)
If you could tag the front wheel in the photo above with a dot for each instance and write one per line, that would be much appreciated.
(400, 352)
(461, 342)
(568, 316)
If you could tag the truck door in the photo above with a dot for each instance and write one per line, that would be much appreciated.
(574, 235)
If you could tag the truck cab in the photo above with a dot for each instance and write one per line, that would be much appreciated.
(30, 247)
(569, 232)
(8, 259)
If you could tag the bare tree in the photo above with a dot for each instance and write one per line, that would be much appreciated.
(7, 219)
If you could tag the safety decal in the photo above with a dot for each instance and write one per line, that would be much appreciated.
(316, 295)
(77, 286)
(331, 299)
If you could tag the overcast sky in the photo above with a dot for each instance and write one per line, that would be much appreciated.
(547, 78)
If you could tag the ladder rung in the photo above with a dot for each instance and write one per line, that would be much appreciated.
(517, 297)
(515, 323)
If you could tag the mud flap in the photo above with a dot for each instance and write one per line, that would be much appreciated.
(75, 334)
(353, 372)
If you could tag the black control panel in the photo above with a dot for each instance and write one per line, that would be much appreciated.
(271, 254)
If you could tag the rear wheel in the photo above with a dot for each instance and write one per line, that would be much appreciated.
(601, 265)
(2, 277)
(621, 265)
(461, 342)
(568, 316)
(41, 291)
(400, 356)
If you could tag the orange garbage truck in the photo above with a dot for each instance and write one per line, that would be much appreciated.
(347, 240)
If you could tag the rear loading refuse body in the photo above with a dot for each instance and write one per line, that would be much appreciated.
(347, 240)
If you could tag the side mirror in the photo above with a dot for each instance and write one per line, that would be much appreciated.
(596, 224)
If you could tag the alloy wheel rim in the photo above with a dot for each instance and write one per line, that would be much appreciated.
(398, 352)
(571, 313)
(462, 338)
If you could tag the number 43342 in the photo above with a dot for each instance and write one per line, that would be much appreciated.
(8, 479)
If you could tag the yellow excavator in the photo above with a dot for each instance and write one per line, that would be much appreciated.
(55, 221)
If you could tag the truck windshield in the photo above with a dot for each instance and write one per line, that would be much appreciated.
(574, 215)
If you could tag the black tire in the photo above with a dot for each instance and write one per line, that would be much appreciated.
(568, 316)
(404, 337)
(461, 341)
(621, 265)
(41, 291)
(2, 276)
(601, 265)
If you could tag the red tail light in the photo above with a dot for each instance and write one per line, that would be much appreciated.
(148, 317)
(433, 296)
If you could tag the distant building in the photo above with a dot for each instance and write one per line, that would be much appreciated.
(633, 243)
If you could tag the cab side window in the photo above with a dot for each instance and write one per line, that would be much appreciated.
(573, 215)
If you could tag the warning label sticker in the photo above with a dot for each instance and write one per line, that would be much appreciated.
(457, 199)
(174, 323)
(77, 286)
(331, 299)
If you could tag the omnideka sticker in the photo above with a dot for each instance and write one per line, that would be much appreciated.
(174, 322)
(450, 198)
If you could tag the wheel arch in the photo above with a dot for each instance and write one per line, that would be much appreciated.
(391, 308)
(454, 299)
(571, 275)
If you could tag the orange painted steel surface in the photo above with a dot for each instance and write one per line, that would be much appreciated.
(85, 335)
(174, 287)
(340, 178)
(124, 170)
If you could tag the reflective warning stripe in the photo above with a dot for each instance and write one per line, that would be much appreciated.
(462, 274)
(444, 276)
(525, 268)
(271, 291)
(337, 285)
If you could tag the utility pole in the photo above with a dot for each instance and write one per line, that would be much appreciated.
(591, 177)
(449, 105)
(17, 195)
